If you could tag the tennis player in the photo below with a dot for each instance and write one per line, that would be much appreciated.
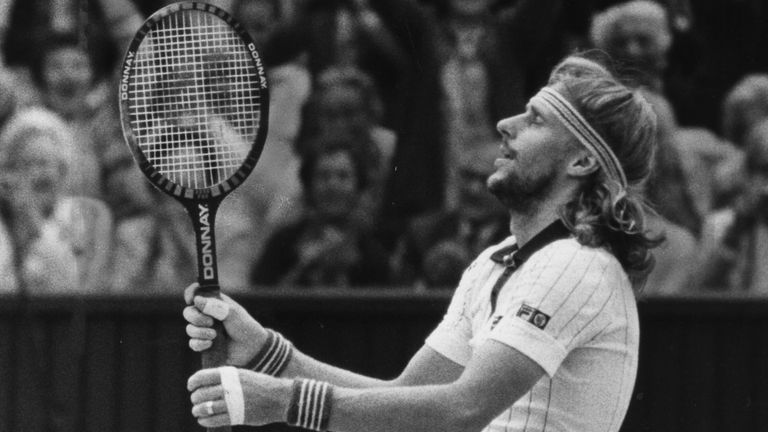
(542, 331)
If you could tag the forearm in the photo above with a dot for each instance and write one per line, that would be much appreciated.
(424, 408)
(304, 366)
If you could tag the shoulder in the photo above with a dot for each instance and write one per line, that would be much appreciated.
(565, 264)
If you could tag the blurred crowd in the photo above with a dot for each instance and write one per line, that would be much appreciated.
(381, 135)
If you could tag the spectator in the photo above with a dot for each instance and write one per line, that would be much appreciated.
(345, 102)
(658, 49)
(327, 246)
(59, 242)
(439, 246)
(678, 188)
(347, 33)
(734, 248)
(744, 106)
(479, 51)
(638, 37)
(65, 73)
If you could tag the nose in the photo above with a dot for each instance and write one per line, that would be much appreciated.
(508, 127)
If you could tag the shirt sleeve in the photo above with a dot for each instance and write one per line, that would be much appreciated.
(558, 301)
(451, 337)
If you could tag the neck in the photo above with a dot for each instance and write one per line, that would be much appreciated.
(526, 223)
(524, 226)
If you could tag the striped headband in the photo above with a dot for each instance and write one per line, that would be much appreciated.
(580, 128)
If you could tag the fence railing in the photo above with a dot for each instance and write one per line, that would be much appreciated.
(121, 363)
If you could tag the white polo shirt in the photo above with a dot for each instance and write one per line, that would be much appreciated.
(571, 309)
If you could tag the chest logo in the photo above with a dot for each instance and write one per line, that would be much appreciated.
(533, 316)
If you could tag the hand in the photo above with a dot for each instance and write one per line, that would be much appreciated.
(266, 398)
(246, 335)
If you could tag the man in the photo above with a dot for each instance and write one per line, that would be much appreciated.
(542, 332)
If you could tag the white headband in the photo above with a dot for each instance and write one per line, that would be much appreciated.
(581, 129)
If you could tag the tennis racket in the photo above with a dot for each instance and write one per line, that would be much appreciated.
(194, 106)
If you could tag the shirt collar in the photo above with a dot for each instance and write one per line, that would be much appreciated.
(514, 256)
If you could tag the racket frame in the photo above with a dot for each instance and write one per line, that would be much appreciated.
(201, 203)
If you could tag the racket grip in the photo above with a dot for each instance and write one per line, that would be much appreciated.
(216, 356)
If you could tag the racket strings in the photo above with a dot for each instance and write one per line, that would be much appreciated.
(195, 99)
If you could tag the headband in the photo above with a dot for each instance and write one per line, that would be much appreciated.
(580, 128)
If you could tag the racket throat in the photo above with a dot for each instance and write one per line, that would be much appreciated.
(203, 216)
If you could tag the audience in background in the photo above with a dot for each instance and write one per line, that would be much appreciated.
(437, 247)
(271, 195)
(61, 243)
(154, 243)
(65, 74)
(382, 117)
(744, 106)
(734, 249)
(328, 246)
(345, 102)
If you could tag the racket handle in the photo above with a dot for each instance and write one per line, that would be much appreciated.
(216, 356)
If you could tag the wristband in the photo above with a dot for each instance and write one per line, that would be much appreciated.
(310, 406)
(273, 356)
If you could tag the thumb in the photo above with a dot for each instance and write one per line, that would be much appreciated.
(189, 293)
(212, 307)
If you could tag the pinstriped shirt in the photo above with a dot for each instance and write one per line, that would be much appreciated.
(568, 307)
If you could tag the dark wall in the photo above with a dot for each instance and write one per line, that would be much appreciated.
(121, 364)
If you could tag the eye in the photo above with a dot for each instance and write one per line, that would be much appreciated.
(535, 119)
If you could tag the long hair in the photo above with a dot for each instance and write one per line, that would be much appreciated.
(603, 214)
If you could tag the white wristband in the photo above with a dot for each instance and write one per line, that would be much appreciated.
(216, 308)
(233, 395)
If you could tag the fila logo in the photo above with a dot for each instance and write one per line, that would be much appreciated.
(533, 316)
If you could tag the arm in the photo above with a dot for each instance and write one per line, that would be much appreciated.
(495, 378)
(247, 337)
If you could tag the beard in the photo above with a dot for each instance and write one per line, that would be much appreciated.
(520, 193)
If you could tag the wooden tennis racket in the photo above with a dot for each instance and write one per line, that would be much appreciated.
(194, 107)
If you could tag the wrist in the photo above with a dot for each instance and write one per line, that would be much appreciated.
(275, 353)
(310, 404)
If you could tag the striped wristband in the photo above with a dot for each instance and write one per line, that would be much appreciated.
(273, 356)
(310, 406)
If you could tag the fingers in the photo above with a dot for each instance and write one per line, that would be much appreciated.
(208, 404)
(211, 413)
(201, 338)
(209, 393)
(189, 292)
(204, 378)
(213, 307)
(204, 333)
(215, 421)
(193, 316)
(209, 408)
(198, 345)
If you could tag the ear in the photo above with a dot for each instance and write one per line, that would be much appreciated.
(582, 165)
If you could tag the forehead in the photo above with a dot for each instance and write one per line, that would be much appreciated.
(66, 52)
(561, 134)
(337, 159)
(636, 26)
(36, 145)
(340, 94)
